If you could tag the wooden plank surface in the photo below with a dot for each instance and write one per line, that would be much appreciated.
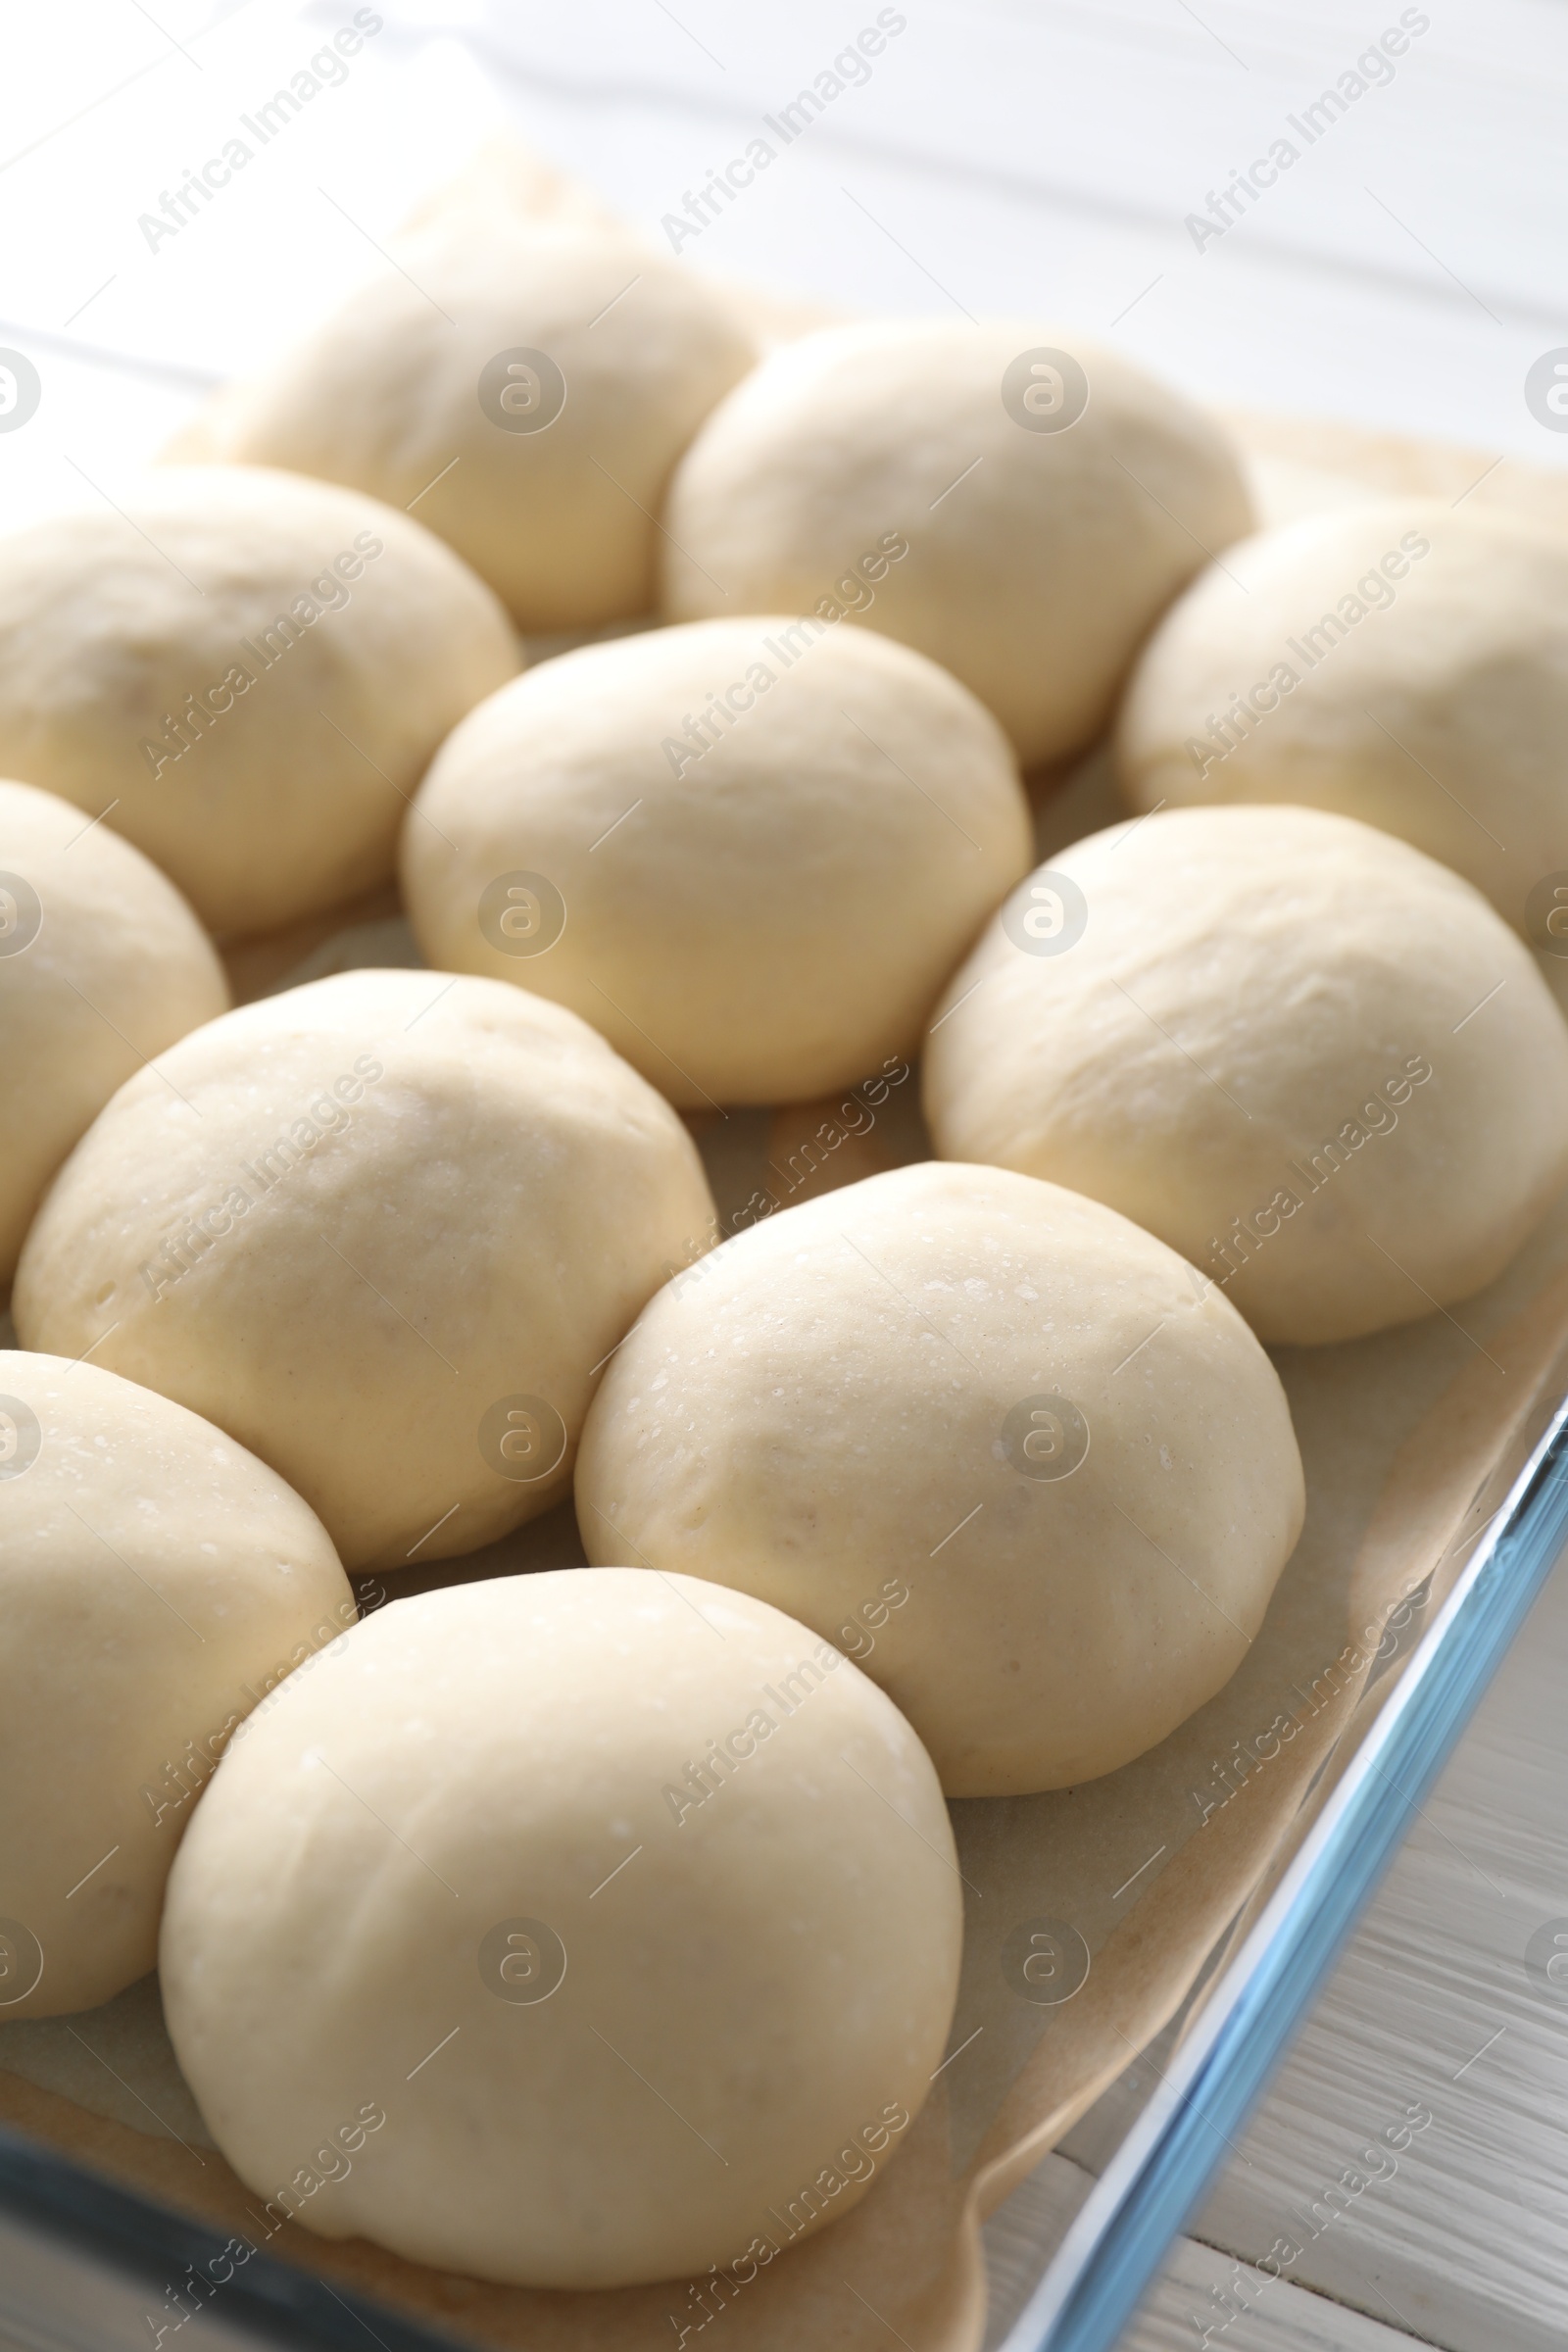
(1201, 2288)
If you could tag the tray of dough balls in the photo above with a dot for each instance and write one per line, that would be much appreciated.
(713, 1446)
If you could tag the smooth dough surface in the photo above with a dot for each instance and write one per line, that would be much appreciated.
(156, 1583)
(1403, 662)
(1036, 561)
(380, 1228)
(102, 963)
(754, 906)
(387, 394)
(612, 2030)
(245, 674)
(983, 1434)
(1308, 1057)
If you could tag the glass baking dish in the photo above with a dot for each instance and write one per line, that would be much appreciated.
(85, 2261)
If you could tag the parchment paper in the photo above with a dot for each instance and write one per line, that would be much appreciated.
(1409, 1439)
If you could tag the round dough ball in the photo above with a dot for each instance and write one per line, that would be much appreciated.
(382, 1228)
(102, 964)
(897, 472)
(243, 673)
(983, 1434)
(757, 907)
(1400, 663)
(1312, 1060)
(546, 480)
(156, 1582)
(615, 2028)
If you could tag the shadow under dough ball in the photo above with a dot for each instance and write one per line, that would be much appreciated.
(457, 2028)
(382, 1229)
(985, 1436)
(245, 674)
(156, 1582)
(102, 964)
(749, 852)
(1045, 505)
(531, 388)
(1308, 1057)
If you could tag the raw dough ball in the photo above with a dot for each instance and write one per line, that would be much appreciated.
(900, 471)
(1313, 1061)
(382, 1229)
(102, 963)
(245, 674)
(546, 479)
(1402, 663)
(155, 1582)
(982, 1434)
(755, 906)
(615, 2028)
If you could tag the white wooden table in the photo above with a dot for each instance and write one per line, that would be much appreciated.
(1037, 157)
